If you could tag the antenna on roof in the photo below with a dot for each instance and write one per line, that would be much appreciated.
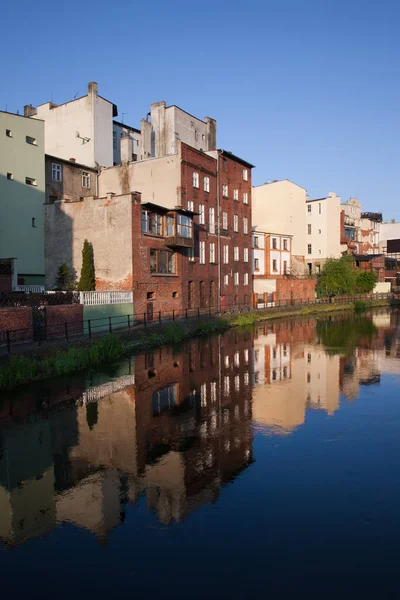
(76, 95)
(122, 117)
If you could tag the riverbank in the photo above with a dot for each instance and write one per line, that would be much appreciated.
(42, 363)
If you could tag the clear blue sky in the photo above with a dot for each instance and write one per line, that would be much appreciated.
(305, 90)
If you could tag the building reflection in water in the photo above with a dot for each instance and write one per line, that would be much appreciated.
(182, 431)
(176, 437)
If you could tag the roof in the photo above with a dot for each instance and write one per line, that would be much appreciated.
(165, 209)
(228, 154)
(71, 162)
(115, 108)
(6, 112)
(286, 235)
(318, 199)
(126, 126)
(372, 216)
(366, 257)
(186, 112)
(280, 181)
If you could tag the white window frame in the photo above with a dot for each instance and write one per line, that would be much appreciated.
(190, 205)
(202, 253)
(226, 254)
(56, 169)
(245, 255)
(212, 253)
(245, 198)
(236, 278)
(245, 225)
(191, 254)
(211, 219)
(236, 253)
(206, 183)
(225, 190)
(245, 175)
(196, 178)
(225, 221)
(309, 208)
(86, 179)
(246, 279)
(226, 279)
(236, 223)
(236, 194)
(202, 219)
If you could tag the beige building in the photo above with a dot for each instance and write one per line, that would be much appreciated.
(280, 206)
(370, 230)
(322, 231)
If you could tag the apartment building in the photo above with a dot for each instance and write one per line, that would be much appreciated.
(323, 231)
(369, 232)
(389, 237)
(350, 225)
(22, 196)
(182, 242)
(67, 180)
(280, 206)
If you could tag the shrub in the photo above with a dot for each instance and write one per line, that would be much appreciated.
(66, 280)
(87, 281)
(366, 281)
(359, 305)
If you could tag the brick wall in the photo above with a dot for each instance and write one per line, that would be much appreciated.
(5, 283)
(57, 316)
(15, 319)
(295, 289)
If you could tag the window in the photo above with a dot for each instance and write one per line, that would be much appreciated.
(225, 221)
(202, 249)
(114, 140)
(235, 223)
(274, 243)
(190, 205)
(319, 231)
(245, 198)
(201, 214)
(236, 279)
(236, 195)
(85, 179)
(256, 242)
(9, 133)
(309, 229)
(319, 207)
(256, 264)
(226, 279)
(33, 222)
(285, 244)
(183, 225)
(175, 294)
(285, 269)
(195, 180)
(56, 173)
(309, 208)
(152, 223)
(212, 252)
(225, 190)
(245, 174)
(246, 279)
(309, 250)
(226, 254)
(165, 399)
(211, 222)
(206, 184)
(10, 176)
(245, 225)
(236, 253)
(274, 265)
(245, 255)
(30, 181)
(31, 140)
(191, 254)
(162, 262)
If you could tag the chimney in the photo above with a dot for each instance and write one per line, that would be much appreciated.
(126, 149)
(393, 221)
(92, 88)
(72, 160)
(211, 133)
(29, 110)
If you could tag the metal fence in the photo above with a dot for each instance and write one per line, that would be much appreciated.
(88, 329)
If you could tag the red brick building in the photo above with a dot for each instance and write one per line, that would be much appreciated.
(181, 242)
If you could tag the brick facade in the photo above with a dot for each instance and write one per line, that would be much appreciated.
(292, 290)
(60, 315)
(15, 319)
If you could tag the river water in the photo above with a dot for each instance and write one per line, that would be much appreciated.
(255, 464)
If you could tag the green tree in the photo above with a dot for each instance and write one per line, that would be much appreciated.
(338, 277)
(87, 282)
(66, 280)
(366, 281)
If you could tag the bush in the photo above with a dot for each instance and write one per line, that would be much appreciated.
(359, 306)
(66, 280)
(366, 281)
(244, 320)
(87, 281)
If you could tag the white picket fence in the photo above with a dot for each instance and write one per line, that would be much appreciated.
(101, 298)
(30, 289)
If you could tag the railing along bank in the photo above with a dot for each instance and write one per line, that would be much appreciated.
(90, 328)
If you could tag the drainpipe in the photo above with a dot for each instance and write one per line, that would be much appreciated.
(97, 184)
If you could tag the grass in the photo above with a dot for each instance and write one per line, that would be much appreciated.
(359, 306)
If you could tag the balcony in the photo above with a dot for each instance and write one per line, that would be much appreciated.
(179, 241)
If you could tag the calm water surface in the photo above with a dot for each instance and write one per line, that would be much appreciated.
(255, 464)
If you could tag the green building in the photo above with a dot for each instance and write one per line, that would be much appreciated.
(22, 196)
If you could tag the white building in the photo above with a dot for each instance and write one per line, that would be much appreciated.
(280, 206)
(271, 261)
(120, 131)
(169, 125)
(323, 231)
(388, 231)
(81, 129)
